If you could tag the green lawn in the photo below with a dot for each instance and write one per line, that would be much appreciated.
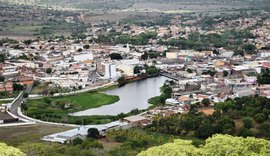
(89, 99)
(17, 28)
(54, 110)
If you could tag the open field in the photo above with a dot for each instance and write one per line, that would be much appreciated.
(192, 5)
(30, 133)
(88, 100)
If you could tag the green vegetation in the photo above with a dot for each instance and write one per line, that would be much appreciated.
(2, 58)
(46, 89)
(150, 70)
(264, 78)
(8, 41)
(5, 94)
(17, 87)
(42, 149)
(134, 141)
(121, 81)
(116, 56)
(93, 133)
(218, 145)
(57, 109)
(166, 92)
(118, 38)
(227, 119)
(9, 151)
(229, 39)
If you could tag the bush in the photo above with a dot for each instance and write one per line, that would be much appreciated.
(206, 102)
(93, 133)
(248, 122)
(204, 131)
(138, 143)
(120, 138)
(245, 132)
(25, 95)
(260, 117)
(77, 141)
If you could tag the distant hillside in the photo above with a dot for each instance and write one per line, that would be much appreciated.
(106, 5)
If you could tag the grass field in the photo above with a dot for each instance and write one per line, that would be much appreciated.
(58, 109)
(89, 99)
(31, 133)
(24, 28)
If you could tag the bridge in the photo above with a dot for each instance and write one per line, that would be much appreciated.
(168, 75)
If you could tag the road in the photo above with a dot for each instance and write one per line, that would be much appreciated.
(17, 103)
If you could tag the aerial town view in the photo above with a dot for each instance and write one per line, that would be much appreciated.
(134, 78)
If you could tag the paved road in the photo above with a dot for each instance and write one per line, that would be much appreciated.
(17, 103)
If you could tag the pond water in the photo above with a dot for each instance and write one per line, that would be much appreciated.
(132, 96)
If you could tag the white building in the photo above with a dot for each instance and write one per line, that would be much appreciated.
(107, 70)
(81, 132)
(82, 57)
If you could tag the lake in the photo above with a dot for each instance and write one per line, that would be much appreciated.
(132, 96)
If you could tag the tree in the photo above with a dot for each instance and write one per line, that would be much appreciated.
(79, 50)
(6, 150)
(121, 81)
(86, 46)
(248, 122)
(27, 42)
(189, 70)
(137, 69)
(211, 73)
(260, 117)
(216, 52)
(49, 70)
(245, 132)
(205, 130)
(17, 87)
(93, 133)
(145, 56)
(264, 78)
(25, 95)
(206, 102)
(250, 48)
(225, 126)
(2, 58)
(116, 56)
(153, 55)
(218, 145)
(2, 79)
(152, 70)
(239, 52)
(225, 73)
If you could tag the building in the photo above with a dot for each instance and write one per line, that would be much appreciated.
(81, 132)
(127, 70)
(171, 55)
(106, 70)
(6, 86)
(83, 57)
(137, 120)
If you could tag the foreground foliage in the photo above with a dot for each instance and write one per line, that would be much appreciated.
(218, 145)
(6, 150)
(246, 116)
(133, 141)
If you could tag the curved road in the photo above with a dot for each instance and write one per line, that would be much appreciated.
(14, 107)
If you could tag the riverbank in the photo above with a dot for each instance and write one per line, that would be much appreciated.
(131, 79)
(57, 109)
